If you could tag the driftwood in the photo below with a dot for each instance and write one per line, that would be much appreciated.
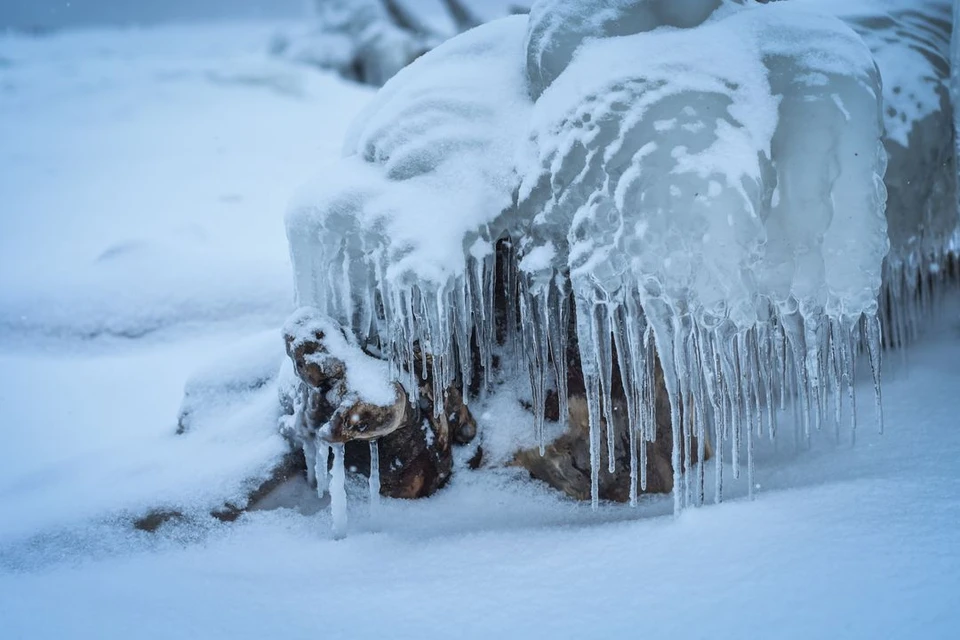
(565, 464)
(414, 446)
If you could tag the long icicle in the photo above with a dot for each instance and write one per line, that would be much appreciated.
(374, 484)
(338, 493)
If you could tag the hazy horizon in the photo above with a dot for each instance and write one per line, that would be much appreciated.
(59, 14)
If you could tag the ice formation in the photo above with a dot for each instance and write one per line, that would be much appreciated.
(910, 41)
(698, 182)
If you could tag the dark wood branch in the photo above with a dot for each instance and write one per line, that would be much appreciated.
(463, 18)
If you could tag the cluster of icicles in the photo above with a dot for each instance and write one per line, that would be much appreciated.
(726, 383)
(334, 482)
(728, 374)
(913, 289)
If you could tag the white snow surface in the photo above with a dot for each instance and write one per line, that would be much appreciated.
(840, 542)
(145, 172)
(107, 137)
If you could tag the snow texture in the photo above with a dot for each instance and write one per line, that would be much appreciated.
(719, 207)
(137, 198)
(144, 272)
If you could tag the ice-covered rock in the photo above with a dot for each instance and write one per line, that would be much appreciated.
(696, 181)
(910, 41)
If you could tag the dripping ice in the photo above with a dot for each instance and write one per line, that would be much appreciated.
(528, 170)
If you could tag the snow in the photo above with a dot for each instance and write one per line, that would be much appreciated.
(840, 541)
(145, 189)
(365, 375)
(91, 433)
(447, 122)
(144, 272)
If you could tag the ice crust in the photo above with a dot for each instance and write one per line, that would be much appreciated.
(718, 206)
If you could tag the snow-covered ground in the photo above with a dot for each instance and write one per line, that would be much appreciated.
(143, 179)
(145, 175)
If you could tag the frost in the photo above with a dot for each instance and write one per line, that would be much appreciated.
(529, 188)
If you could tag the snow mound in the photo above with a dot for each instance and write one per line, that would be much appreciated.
(143, 173)
(719, 207)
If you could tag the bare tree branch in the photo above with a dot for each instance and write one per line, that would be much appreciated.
(406, 19)
(463, 18)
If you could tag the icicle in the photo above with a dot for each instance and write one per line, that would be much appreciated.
(558, 319)
(684, 361)
(460, 312)
(874, 337)
(767, 360)
(625, 360)
(338, 493)
(532, 335)
(593, 412)
(321, 473)
(663, 318)
(793, 329)
(586, 331)
(835, 372)
(675, 429)
(602, 332)
(720, 425)
(374, 485)
(746, 371)
(310, 455)
(728, 368)
(750, 480)
(647, 415)
(698, 408)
